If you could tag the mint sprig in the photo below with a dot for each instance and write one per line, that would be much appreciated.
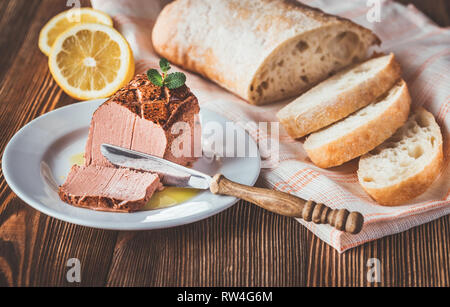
(154, 77)
(165, 65)
(171, 81)
(175, 80)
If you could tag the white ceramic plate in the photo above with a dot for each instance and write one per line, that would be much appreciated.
(37, 160)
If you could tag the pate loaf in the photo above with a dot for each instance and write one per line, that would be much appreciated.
(140, 117)
(108, 188)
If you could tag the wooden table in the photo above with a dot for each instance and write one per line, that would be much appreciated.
(243, 246)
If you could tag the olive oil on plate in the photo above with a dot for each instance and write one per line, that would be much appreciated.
(169, 197)
(77, 159)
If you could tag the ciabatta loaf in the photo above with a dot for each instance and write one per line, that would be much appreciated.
(261, 50)
(339, 96)
(407, 164)
(362, 131)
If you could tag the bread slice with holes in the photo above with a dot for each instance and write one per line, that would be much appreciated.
(262, 51)
(362, 131)
(340, 95)
(404, 166)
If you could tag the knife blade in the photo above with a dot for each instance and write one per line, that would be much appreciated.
(171, 174)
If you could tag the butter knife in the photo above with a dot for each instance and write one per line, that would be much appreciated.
(172, 174)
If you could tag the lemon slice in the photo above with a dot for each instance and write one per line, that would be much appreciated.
(67, 19)
(91, 61)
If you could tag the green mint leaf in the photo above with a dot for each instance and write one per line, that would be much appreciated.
(175, 80)
(154, 77)
(165, 65)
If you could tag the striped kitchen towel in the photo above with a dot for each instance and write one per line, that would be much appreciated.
(423, 50)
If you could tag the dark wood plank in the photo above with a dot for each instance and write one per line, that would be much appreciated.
(34, 248)
(12, 14)
(243, 246)
(417, 257)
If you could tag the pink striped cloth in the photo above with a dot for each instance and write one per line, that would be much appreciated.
(423, 50)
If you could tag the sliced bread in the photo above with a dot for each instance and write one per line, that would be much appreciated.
(405, 165)
(362, 131)
(339, 96)
(262, 51)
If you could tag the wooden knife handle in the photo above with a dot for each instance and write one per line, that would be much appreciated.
(290, 205)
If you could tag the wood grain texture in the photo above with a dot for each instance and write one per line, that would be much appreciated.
(242, 246)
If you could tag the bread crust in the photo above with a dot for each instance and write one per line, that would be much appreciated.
(231, 54)
(340, 106)
(413, 186)
(364, 138)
